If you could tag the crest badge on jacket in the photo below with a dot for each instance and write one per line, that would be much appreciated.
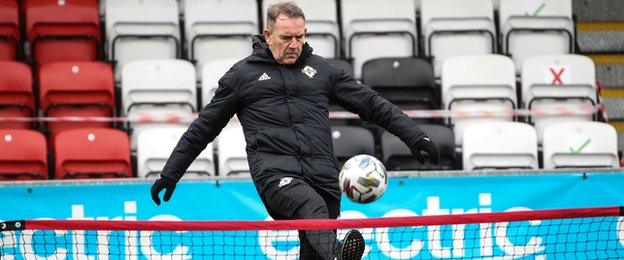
(309, 71)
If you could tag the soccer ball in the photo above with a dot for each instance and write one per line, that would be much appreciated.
(363, 178)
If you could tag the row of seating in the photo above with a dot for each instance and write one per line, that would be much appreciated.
(104, 153)
(137, 30)
(500, 145)
(577, 93)
(65, 89)
(79, 154)
(482, 83)
(549, 83)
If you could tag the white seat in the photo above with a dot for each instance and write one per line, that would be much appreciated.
(478, 83)
(321, 22)
(154, 146)
(231, 150)
(140, 30)
(580, 144)
(499, 145)
(530, 28)
(457, 27)
(158, 88)
(374, 29)
(211, 73)
(558, 82)
(217, 29)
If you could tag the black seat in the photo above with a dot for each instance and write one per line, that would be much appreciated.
(407, 82)
(344, 64)
(350, 141)
(397, 156)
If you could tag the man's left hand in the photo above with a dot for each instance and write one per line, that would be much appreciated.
(426, 145)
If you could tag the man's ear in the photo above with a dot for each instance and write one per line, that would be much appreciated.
(267, 35)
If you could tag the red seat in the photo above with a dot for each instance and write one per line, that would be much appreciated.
(81, 89)
(63, 30)
(9, 30)
(92, 153)
(22, 155)
(16, 94)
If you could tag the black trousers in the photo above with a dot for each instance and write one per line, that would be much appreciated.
(294, 198)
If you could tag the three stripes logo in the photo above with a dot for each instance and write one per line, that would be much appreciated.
(264, 77)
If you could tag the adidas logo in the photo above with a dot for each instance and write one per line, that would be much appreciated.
(264, 77)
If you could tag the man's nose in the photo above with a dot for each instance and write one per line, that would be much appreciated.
(292, 44)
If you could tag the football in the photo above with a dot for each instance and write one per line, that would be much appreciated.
(363, 178)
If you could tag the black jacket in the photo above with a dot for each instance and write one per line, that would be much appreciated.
(285, 117)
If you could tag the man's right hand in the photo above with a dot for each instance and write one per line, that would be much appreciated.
(160, 184)
(427, 146)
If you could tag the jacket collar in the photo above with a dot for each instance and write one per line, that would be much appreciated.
(262, 53)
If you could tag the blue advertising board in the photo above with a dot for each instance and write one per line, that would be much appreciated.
(238, 200)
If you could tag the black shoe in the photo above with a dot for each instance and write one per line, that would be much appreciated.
(352, 246)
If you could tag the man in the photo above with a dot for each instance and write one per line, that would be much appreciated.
(281, 94)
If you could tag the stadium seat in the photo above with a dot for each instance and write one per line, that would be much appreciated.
(153, 88)
(558, 83)
(375, 29)
(478, 84)
(344, 64)
(231, 147)
(217, 29)
(530, 28)
(211, 73)
(349, 141)
(407, 82)
(92, 153)
(76, 89)
(23, 155)
(397, 156)
(16, 93)
(63, 30)
(579, 145)
(322, 24)
(141, 30)
(154, 146)
(10, 40)
(499, 145)
(453, 28)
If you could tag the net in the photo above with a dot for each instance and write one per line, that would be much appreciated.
(586, 233)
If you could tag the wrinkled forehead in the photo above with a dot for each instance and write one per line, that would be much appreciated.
(289, 26)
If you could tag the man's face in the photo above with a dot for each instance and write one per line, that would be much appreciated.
(286, 39)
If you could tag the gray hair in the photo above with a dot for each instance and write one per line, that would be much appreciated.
(290, 9)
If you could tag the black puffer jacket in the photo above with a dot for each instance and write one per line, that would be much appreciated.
(284, 113)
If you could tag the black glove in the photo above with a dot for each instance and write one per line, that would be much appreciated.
(426, 145)
(160, 184)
